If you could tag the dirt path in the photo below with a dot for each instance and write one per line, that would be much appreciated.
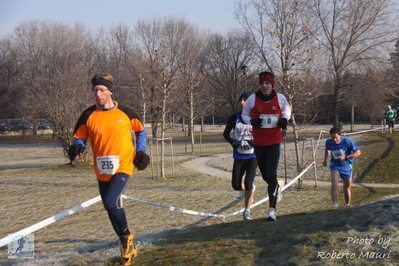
(201, 165)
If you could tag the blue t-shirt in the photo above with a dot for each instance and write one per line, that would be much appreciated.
(344, 148)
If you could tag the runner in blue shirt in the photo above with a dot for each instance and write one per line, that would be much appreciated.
(343, 152)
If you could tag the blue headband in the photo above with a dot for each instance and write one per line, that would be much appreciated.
(103, 82)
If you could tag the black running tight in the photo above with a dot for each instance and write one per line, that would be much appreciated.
(268, 158)
(110, 194)
(241, 167)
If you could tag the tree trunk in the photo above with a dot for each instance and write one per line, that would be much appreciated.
(336, 107)
(192, 117)
(163, 121)
(352, 118)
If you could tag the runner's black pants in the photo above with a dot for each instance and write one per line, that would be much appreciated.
(268, 158)
(241, 167)
(110, 194)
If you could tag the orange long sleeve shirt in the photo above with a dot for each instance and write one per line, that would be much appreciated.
(110, 135)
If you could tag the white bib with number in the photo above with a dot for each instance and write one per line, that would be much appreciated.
(337, 154)
(108, 164)
(269, 120)
(245, 148)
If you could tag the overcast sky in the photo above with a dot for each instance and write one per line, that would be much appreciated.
(216, 15)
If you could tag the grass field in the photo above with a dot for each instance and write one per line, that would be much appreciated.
(36, 184)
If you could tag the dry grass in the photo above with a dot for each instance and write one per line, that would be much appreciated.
(306, 224)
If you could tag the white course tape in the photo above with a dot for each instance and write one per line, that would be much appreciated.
(170, 208)
(267, 198)
(363, 131)
(176, 209)
(39, 225)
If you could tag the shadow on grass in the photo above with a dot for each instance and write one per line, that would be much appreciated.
(227, 207)
(389, 148)
(295, 239)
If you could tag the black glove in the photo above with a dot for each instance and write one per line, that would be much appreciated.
(74, 151)
(256, 122)
(141, 160)
(80, 149)
(282, 123)
(235, 144)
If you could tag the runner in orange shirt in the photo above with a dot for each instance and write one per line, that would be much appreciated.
(107, 125)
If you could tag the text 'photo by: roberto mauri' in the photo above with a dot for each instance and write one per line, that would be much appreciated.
(366, 248)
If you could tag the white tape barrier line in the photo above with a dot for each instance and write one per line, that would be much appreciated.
(363, 131)
(39, 225)
(174, 208)
(267, 198)
(171, 208)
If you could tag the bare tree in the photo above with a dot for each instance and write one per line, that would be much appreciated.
(372, 84)
(137, 81)
(353, 32)
(280, 32)
(148, 40)
(395, 57)
(191, 76)
(113, 49)
(224, 57)
(56, 60)
(10, 74)
(161, 43)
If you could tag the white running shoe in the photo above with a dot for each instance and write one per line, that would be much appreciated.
(271, 216)
(280, 187)
(335, 205)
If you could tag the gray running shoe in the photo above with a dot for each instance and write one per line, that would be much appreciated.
(271, 216)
